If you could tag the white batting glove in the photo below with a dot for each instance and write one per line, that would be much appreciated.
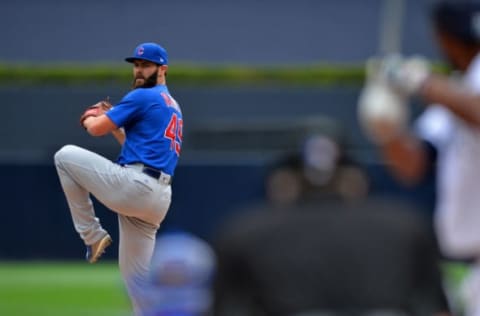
(382, 111)
(405, 74)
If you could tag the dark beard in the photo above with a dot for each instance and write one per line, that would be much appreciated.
(151, 81)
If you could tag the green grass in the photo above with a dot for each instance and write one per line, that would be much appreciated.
(74, 289)
(51, 288)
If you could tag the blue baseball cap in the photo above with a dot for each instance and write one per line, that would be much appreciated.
(150, 52)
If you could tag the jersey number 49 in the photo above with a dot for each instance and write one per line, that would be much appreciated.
(174, 132)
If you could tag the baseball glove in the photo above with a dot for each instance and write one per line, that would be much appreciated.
(95, 110)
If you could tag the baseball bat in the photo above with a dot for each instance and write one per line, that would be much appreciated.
(391, 27)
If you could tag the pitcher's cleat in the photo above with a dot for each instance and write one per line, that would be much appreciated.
(96, 250)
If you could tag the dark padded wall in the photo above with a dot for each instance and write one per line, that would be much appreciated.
(209, 31)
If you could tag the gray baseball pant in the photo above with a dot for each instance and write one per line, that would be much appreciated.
(140, 201)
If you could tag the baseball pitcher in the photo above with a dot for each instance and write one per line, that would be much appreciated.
(148, 123)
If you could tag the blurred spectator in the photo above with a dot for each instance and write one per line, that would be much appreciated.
(319, 170)
(182, 269)
(309, 251)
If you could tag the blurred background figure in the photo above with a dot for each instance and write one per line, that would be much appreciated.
(445, 138)
(319, 170)
(310, 251)
(182, 269)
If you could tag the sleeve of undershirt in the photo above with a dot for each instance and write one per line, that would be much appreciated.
(435, 126)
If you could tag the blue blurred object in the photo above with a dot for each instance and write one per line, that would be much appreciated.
(181, 274)
(452, 17)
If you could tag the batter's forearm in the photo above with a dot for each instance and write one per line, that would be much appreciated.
(459, 100)
(406, 158)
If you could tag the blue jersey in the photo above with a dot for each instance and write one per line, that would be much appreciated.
(153, 125)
